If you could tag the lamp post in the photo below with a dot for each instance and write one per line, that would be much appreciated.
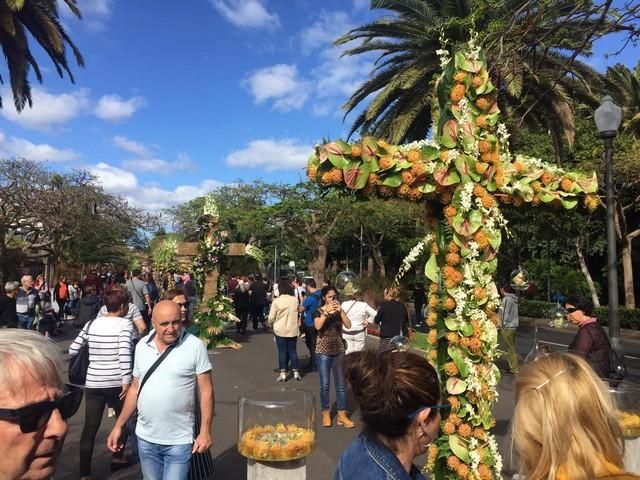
(608, 116)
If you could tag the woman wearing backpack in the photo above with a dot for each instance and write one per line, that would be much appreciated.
(591, 341)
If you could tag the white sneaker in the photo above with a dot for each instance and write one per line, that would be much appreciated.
(296, 375)
(282, 377)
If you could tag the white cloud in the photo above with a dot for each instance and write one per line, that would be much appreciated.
(325, 31)
(283, 154)
(13, 147)
(338, 75)
(153, 198)
(246, 13)
(95, 13)
(281, 84)
(131, 146)
(361, 4)
(49, 110)
(114, 108)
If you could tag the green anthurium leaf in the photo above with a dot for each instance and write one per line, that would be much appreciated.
(546, 197)
(491, 185)
(430, 153)
(458, 358)
(460, 60)
(337, 148)
(457, 112)
(490, 266)
(427, 188)
(444, 176)
(338, 161)
(467, 329)
(494, 237)
(526, 192)
(588, 184)
(393, 181)
(462, 165)
(456, 386)
(459, 448)
(493, 118)
(313, 160)
(569, 203)
(449, 137)
(484, 75)
(453, 323)
(432, 270)
(403, 165)
(369, 148)
(467, 225)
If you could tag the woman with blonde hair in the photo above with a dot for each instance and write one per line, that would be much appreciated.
(393, 318)
(564, 426)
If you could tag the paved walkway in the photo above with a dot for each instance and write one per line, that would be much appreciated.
(236, 372)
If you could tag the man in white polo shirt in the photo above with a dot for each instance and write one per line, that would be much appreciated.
(166, 403)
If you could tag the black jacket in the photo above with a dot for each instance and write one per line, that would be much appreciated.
(591, 343)
(393, 318)
(87, 309)
(8, 316)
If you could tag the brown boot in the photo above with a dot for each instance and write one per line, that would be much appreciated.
(326, 418)
(344, 420)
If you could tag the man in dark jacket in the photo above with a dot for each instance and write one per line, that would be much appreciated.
(8, 316)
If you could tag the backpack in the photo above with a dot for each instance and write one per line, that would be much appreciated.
(617, 368)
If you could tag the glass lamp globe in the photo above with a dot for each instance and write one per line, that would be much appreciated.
(520, 279)
(607, 117)
(557, 316)
(345, 283)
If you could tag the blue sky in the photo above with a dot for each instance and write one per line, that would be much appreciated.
(180, 97)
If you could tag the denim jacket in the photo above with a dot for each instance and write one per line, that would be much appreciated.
(367, 458)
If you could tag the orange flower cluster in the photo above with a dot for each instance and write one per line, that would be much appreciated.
(332, 177)
(432, 337)
(450, 369)
(481, 239)
(453, 338)
(547, 178)
(450, 211)
(484, 472)
(276, 442)
(312, 171)
(518, 165)
(457, 93)
(452, 277)
(432, 455)
(464, 430)
(414, 156)
(449, 428)
(449, 303)
(385, 191)
(453, 259)
(462, 469)
(407, 177)
(356, 150)
(481, 121)
(386, 162)
(566, 184)
(481, 167)
(373, 179)
(483, 103)
(592, 202)
(460, 76)
(432, 317)
(418, 169)
(477, 80)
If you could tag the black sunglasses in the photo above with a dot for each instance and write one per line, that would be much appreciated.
(571, 309)
(445, 409)
(183, 304)
(35, 416)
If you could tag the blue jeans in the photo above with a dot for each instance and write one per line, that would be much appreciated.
(287, 352)
(25, 321)
(327, 364)
(164, 462)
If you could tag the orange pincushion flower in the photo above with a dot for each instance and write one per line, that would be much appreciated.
(463, 471)
(415, 194)
(465, 341)
(475, 345)
(418, 169)
(373, 179)
(407, 177)
(487, 201)
(453, 338)
(477, 81)
(481, 121)
(356, 150)
(404, 190)
(444, 155)
(495, 157)
(591, 202)
(450, 211)
(449, 428)
(484, 472)
(479, 433)
(449, 303)
(464, 430)
(547, 178)
(484, 146)
(433, 288)
(434, 249)
(566, 184)
(433, 453)
(499, 178)
(482, 103)
(325, 179)
(454, 402)
(312, 171)
(460, 76)
(493, 317)
(433, 301)
(453, 259)
(386, 162)
(481, 167)
(536, 185)
(487, 157)
(335, 176)
(479, 191)
(457, 93)
(455, 419)
(452, 461)
(518, 165)
(479, 293)
(481, 239)
(535, 201)
(432, 355)
(448, 271)
(414, 156)
(453, 247)
(432, 338)
(386, 191)
(381, 143)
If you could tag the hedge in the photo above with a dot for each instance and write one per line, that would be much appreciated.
(538, 309)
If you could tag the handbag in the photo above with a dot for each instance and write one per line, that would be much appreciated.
(79, 364)
(201, 465)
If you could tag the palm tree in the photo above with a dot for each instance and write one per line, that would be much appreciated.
(532, 56)
(627, 94)
(41, 19)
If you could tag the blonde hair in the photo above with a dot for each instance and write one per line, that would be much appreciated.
(564, 420)
(393, 293)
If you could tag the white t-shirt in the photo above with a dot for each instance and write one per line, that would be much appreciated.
(358, 312)
(166, 403)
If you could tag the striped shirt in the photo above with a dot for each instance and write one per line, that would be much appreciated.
(110, 351)
(133, 315)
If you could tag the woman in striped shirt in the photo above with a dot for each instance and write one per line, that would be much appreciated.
(109, 374)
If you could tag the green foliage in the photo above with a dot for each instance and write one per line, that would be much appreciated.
(564, 279)
(212, 321)
(164, 252)
(540, 309)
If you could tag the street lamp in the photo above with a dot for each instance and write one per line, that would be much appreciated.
(608, 116)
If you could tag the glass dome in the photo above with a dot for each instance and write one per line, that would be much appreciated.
(626, 397)
(557, 316)
(520, 279)
(345, 283)
(276, 424)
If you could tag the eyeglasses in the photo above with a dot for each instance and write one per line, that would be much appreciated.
(35, 416)
(571, 309)
(183, 304)
(445, 409)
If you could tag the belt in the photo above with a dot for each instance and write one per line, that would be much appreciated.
(354, 332)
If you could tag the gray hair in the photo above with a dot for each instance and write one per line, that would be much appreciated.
(24, 277)
(11, 286)
(24, 352)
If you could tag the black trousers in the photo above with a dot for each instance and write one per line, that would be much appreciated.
(310, 338)
(243, 315)
(95, 400)
(257, 315)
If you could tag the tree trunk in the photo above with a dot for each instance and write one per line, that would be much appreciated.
(370, 266)
(627, 268)
(318, 264)
(377, 256)
(585, 271)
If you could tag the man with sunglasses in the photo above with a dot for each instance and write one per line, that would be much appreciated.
(166, 417)
(34, 405)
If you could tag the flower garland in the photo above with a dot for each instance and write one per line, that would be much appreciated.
(467, 169)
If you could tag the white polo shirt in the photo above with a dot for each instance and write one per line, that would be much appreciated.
(166, 403)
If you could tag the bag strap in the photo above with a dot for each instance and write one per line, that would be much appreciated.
(155, 365)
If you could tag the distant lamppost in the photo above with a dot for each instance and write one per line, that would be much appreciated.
(608, 116)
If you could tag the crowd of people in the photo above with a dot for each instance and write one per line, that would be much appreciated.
(128, 330)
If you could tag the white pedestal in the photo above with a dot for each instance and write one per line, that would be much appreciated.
(293, 470)
(632, 455)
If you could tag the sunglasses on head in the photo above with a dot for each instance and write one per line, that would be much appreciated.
(571, 309)
(36, 415)
(445, 409)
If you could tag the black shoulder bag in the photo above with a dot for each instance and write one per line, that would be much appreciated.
(201, 466)
(79, 363)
